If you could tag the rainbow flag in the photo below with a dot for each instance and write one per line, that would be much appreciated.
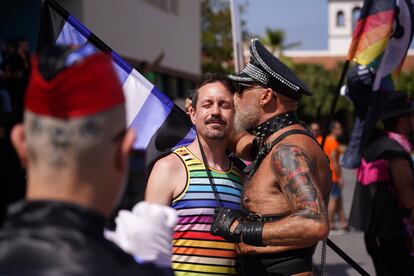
(380, 42)
(381, 39)
(372, 31)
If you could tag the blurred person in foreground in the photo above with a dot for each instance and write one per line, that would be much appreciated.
(195, 179)
(75, 145)
(383, 203)
(284, 199)
(333, 151)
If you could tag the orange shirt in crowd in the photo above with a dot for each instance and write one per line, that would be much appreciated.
(331, 145)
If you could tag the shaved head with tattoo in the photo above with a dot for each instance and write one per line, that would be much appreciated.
(74, 143)
(71, 132)
(66, 153)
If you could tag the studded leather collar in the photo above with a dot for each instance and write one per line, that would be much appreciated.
(269, 127)
(259, 148)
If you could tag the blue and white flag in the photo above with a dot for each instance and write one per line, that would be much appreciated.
(159, 124)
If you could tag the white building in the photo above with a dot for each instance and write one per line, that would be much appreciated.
(144, 31)
(342, 17)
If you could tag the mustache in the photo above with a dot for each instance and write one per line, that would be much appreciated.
(215, 119)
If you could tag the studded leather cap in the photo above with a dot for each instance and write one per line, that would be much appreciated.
(266, 69)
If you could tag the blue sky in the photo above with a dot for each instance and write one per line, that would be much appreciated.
(302, 20)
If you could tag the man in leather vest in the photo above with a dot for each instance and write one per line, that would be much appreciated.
(74, 144)
(284, 200)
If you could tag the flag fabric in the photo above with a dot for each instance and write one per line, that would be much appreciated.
(159, 124)
(381, 39)
(397, 47)
(380, 42)
(372, 31)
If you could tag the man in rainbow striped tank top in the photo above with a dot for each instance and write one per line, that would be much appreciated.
(195, 187)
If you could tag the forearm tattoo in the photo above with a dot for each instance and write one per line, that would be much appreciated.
(294, 167)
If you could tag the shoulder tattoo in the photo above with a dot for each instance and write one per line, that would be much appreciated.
(294, 168)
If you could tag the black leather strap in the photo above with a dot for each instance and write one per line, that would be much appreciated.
(251, 169)
(210, 178)
(252, 216)
(291, 132)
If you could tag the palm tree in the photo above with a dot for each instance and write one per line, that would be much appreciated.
(275, 38)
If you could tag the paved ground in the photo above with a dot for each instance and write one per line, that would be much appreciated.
(352, 243)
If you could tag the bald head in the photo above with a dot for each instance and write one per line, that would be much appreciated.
(285, 104)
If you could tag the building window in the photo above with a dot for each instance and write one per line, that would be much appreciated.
(355, 16)
(170, 6)
(340, 19)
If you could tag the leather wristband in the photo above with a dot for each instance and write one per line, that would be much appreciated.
(252, 233)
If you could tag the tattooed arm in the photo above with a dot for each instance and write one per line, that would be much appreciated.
(308, 222)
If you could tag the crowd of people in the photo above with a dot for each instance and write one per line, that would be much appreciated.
(253, 194)
(333, 150)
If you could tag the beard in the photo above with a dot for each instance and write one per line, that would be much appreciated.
(216, 132)
(246, 118)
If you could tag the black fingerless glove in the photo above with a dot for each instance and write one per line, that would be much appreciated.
(223, 219)
(248, 232)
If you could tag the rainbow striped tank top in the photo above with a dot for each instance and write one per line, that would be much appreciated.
(195, 250)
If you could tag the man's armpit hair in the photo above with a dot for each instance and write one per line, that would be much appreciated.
(294, 168)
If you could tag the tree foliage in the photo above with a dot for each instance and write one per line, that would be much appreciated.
(406, 83)
(216, 36)
(275, 40)
(322, 82)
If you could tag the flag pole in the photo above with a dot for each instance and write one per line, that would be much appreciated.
(237, 37)
(334, 102)
(351, 53)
